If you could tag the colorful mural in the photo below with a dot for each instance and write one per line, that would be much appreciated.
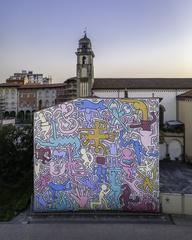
(97, 154)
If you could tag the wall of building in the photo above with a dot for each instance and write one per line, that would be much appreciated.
(87, 155)
(47, 97)
(27, 100)
(9, 94)
(168, 98)
(185, 116)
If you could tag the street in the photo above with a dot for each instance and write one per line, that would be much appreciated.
(179, 228)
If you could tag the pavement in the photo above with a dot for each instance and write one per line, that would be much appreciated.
(96, 227)
(175, 177)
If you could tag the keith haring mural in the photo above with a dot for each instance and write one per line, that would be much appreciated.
(97, 154)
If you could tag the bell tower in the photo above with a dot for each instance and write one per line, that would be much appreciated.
(85, 70)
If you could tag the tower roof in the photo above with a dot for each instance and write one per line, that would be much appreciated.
(85, 38)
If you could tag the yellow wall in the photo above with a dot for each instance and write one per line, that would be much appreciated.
(185, 116)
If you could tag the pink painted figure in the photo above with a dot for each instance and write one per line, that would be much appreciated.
(42, 182)
(57, 169)
(127, 161)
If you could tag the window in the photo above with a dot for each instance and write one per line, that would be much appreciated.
(84, 60)
(40, 104)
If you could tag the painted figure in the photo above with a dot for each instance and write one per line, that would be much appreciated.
(102, 202)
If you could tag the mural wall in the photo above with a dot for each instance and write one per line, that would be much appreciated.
(97, 154)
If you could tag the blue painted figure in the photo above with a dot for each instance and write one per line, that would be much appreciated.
(54, 187)
(89, 107)
(87, 182)
(86, 104)
(101, 173)
(115, 188)
(136, 146)
(55, 141)
(41, 201)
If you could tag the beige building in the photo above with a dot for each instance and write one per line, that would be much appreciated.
(21, 100)
(184, 111)
(26, 92)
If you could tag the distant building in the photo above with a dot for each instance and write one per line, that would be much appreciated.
(28, 78)
(184, 106)
(22, 100)
(8, 92)
(2, 107)
(69, 91)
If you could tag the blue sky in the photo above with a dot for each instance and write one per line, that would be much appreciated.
(130, 38)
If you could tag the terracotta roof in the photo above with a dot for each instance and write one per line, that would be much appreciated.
(39, 86)
(10, 85)
(32, 86)
(142, 83)
(185, 95)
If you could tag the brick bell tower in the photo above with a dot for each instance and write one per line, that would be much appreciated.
(85, 69)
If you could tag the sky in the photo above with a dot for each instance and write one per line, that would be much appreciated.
(130, 38)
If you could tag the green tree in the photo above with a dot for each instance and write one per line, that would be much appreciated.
(16, 154)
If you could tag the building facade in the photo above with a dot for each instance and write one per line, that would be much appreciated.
(166, 89)
(22, 100)
(29, 78)
(68, 92)
(184, 106)
(8, 94)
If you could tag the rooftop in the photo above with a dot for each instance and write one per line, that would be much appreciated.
(32, 86)
(142, 83)
(185, 95)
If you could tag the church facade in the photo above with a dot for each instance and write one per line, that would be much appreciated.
(166, 89)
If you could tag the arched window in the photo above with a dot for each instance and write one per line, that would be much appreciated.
(12, 114)
(6, 115)
(20, 115)
(84, 60)
(28, 115)
(40, 104)
(47, 103)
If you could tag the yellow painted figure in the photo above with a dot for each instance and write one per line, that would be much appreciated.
(102, 201)
(140, 106)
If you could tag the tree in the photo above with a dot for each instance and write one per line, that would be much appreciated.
(16, 153)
